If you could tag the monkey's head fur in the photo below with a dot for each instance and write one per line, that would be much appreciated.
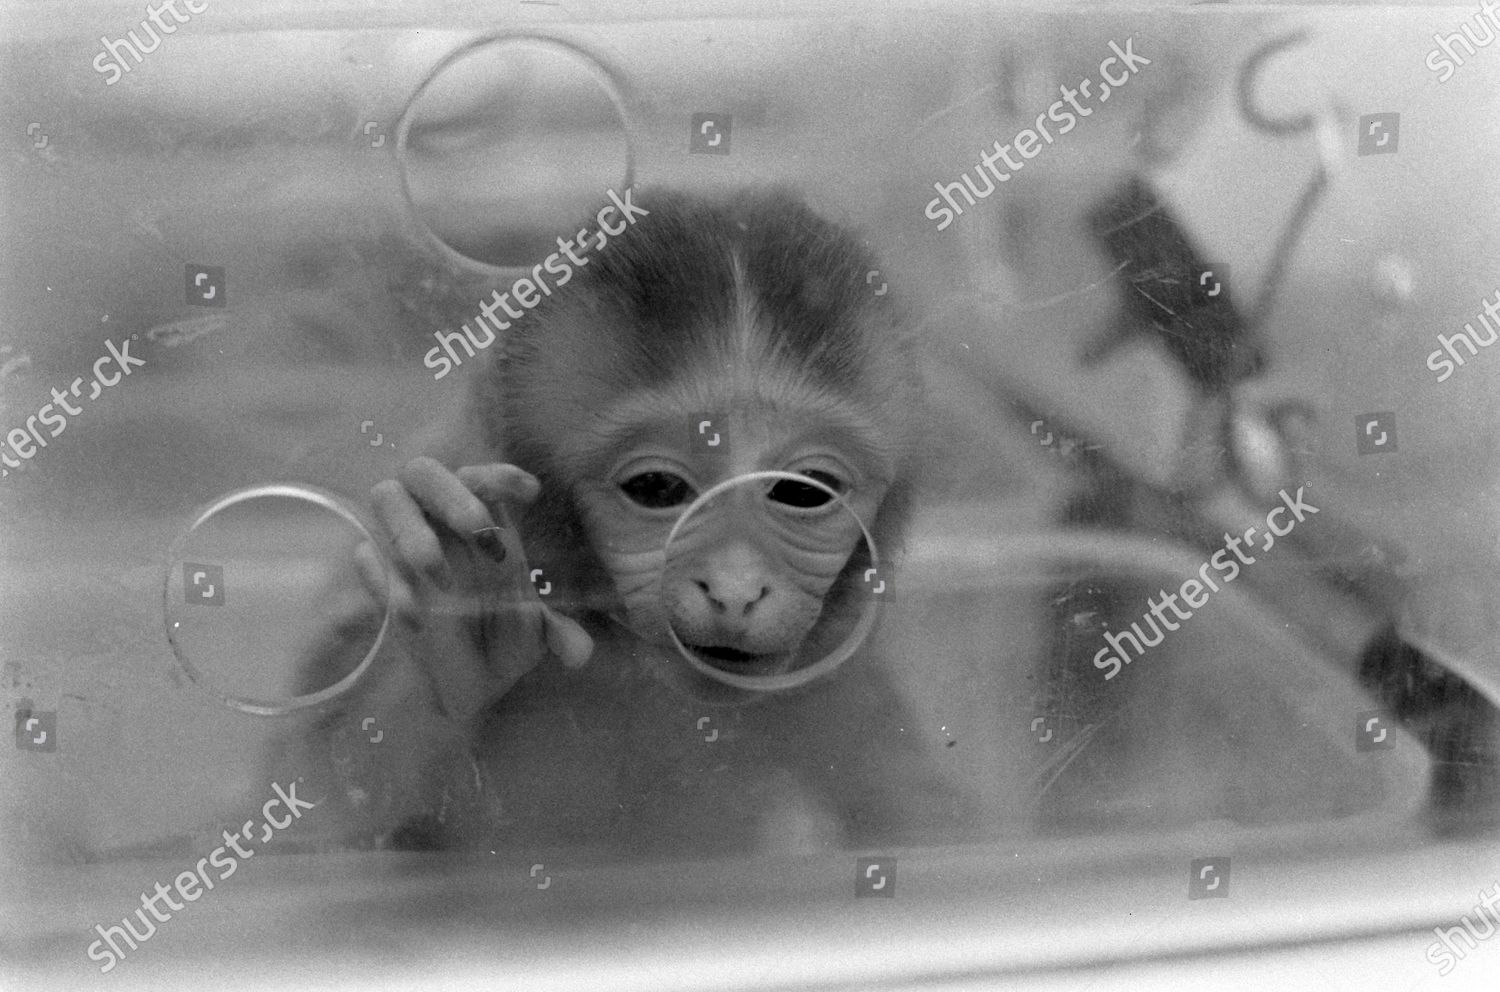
(753, 314)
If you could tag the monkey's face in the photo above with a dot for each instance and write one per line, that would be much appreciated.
(760, 311)
(748, 573)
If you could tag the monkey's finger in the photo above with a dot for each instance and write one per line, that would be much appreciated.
(444, 496)
(532, 620)
(499, 481)
(567, 639)
(384, 585)
(512, 644)
(417, 548)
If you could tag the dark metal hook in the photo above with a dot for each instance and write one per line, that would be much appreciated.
(1281, 127)
(1250, 75)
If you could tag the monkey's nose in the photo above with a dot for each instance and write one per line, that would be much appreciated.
(734, 596)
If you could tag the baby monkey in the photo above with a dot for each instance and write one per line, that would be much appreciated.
(714, 339)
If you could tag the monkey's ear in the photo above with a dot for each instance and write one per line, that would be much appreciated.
(566, 639)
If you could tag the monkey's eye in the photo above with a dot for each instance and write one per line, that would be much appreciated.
(803, 496)
(657, 490)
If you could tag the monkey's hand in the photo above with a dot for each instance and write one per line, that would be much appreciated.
(461, 594)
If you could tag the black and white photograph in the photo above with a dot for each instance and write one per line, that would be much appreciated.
(735, 496)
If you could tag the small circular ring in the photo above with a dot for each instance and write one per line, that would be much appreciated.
(824, 665)
(1250, 75)
(594, 64)
(263, 707)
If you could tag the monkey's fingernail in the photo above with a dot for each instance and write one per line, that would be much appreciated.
(489, 541)
(567, 639)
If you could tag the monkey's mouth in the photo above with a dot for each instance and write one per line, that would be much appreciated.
(729, 659)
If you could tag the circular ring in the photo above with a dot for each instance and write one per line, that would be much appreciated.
(1250, 75)
(594, 65)
(262, 707)
(824, 665)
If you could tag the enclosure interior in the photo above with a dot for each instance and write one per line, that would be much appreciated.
(277, 208)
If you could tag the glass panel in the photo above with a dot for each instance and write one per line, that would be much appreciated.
(930, 483)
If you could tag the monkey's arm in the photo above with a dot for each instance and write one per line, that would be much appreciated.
(465, 625)
(382, 758)
(885, 782)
